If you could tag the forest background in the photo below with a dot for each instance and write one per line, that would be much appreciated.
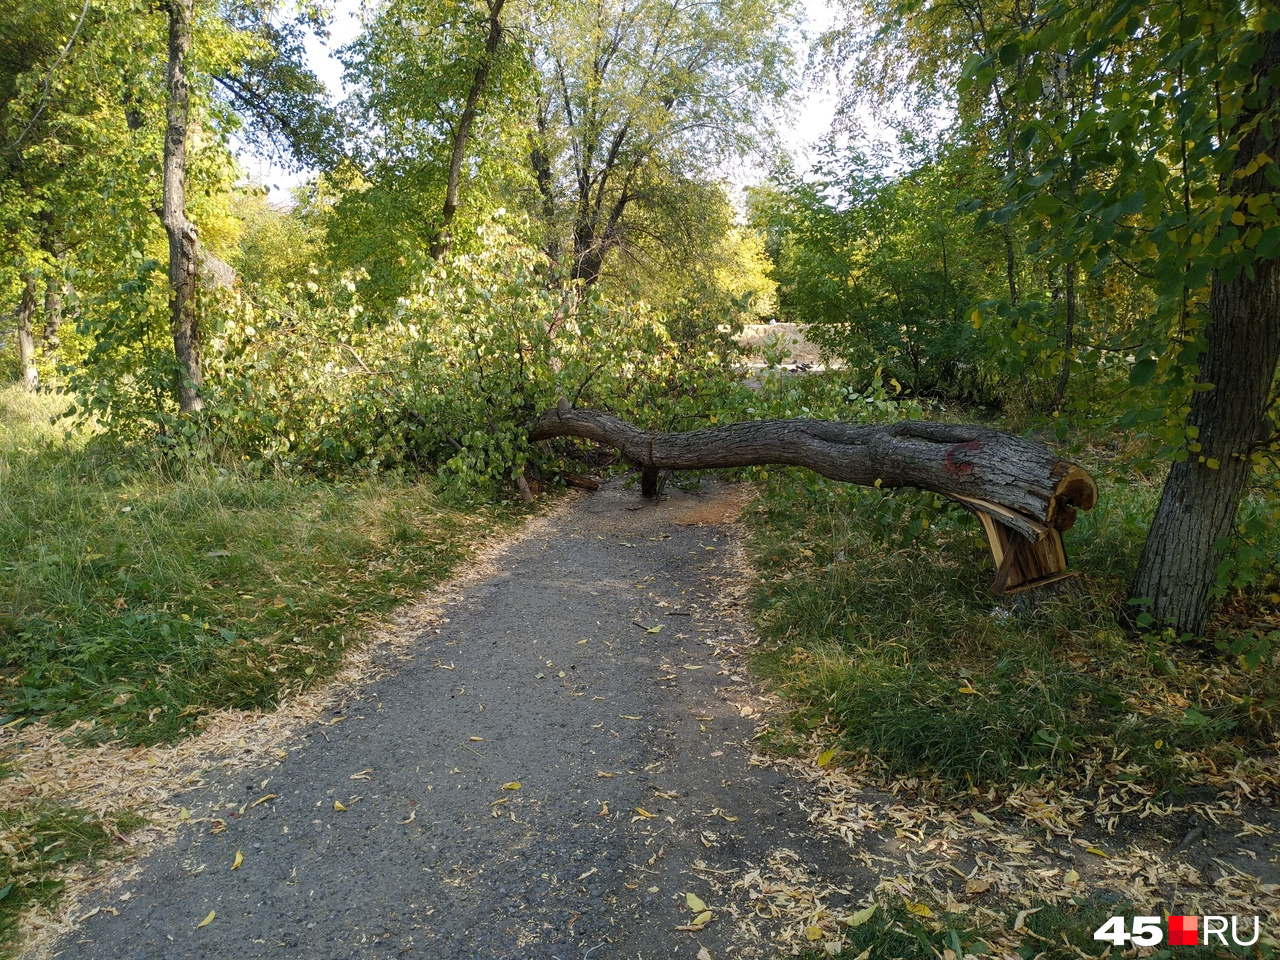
(1059, 218)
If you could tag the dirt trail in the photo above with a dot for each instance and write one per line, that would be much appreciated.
(599, 668)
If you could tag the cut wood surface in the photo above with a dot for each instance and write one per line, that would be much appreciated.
(1022, 484)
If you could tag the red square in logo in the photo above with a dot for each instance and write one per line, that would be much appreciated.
(1182, 932)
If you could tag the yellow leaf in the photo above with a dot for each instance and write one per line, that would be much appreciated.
(1071, 877)
(702, 919)
(813, 933)
(337, 805)
(1159, 744)
(981, 819)
(1096, 852)
(919, 909)
(207, 920)
(657, 629)
(695, 902)
(826, 756)
(641, 811)
(239, 860)
(269, 796)
(184, 814)
(861, 917)
(513, 785)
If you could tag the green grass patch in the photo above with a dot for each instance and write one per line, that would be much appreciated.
(40, 843)
(140, 603)
(877, 619)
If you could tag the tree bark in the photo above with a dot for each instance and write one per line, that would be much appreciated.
(1029, 485)
(462, 135)
(26, 341)
(53, 307)
(1202, 494)
(1068, 337)
(183, 245)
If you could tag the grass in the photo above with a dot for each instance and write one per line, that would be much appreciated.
(39, 843)
(140, 602)
(137, 603)
(897, 645)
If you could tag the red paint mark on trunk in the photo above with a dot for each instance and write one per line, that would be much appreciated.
(961, 466)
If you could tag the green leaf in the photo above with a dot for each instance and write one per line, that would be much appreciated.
(1140, 373)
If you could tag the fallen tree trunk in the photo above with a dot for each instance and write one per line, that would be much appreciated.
(1012, 483)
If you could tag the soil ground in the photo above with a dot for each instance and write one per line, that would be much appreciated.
(549, 764)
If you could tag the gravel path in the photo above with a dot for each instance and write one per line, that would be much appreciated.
(628, 743)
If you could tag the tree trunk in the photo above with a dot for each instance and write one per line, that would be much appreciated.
(183, 266)
(53, 306)
(26, 342)
(1202, 494)
(1025, 483)
(462, 135)
(1068, 337)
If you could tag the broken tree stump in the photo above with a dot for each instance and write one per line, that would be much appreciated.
(1022, 492)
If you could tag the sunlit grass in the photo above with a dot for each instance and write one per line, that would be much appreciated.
(141, 602)
(902, 650)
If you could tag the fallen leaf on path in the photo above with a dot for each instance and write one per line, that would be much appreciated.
(919, 909)
(337, 805)
(704, 954)
(513, 785)
(235, 865)
(696, 903)
(657, 629)
(207, 920)
(826, 756)
(269, 796)
(813, 933)
(981, 819)
(362, 775)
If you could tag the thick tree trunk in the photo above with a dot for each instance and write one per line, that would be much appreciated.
(462, 134)
(26, 341)
(1202, 494)
(1024, 483)
(183, 247)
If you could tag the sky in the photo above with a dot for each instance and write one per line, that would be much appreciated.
(800, 127)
